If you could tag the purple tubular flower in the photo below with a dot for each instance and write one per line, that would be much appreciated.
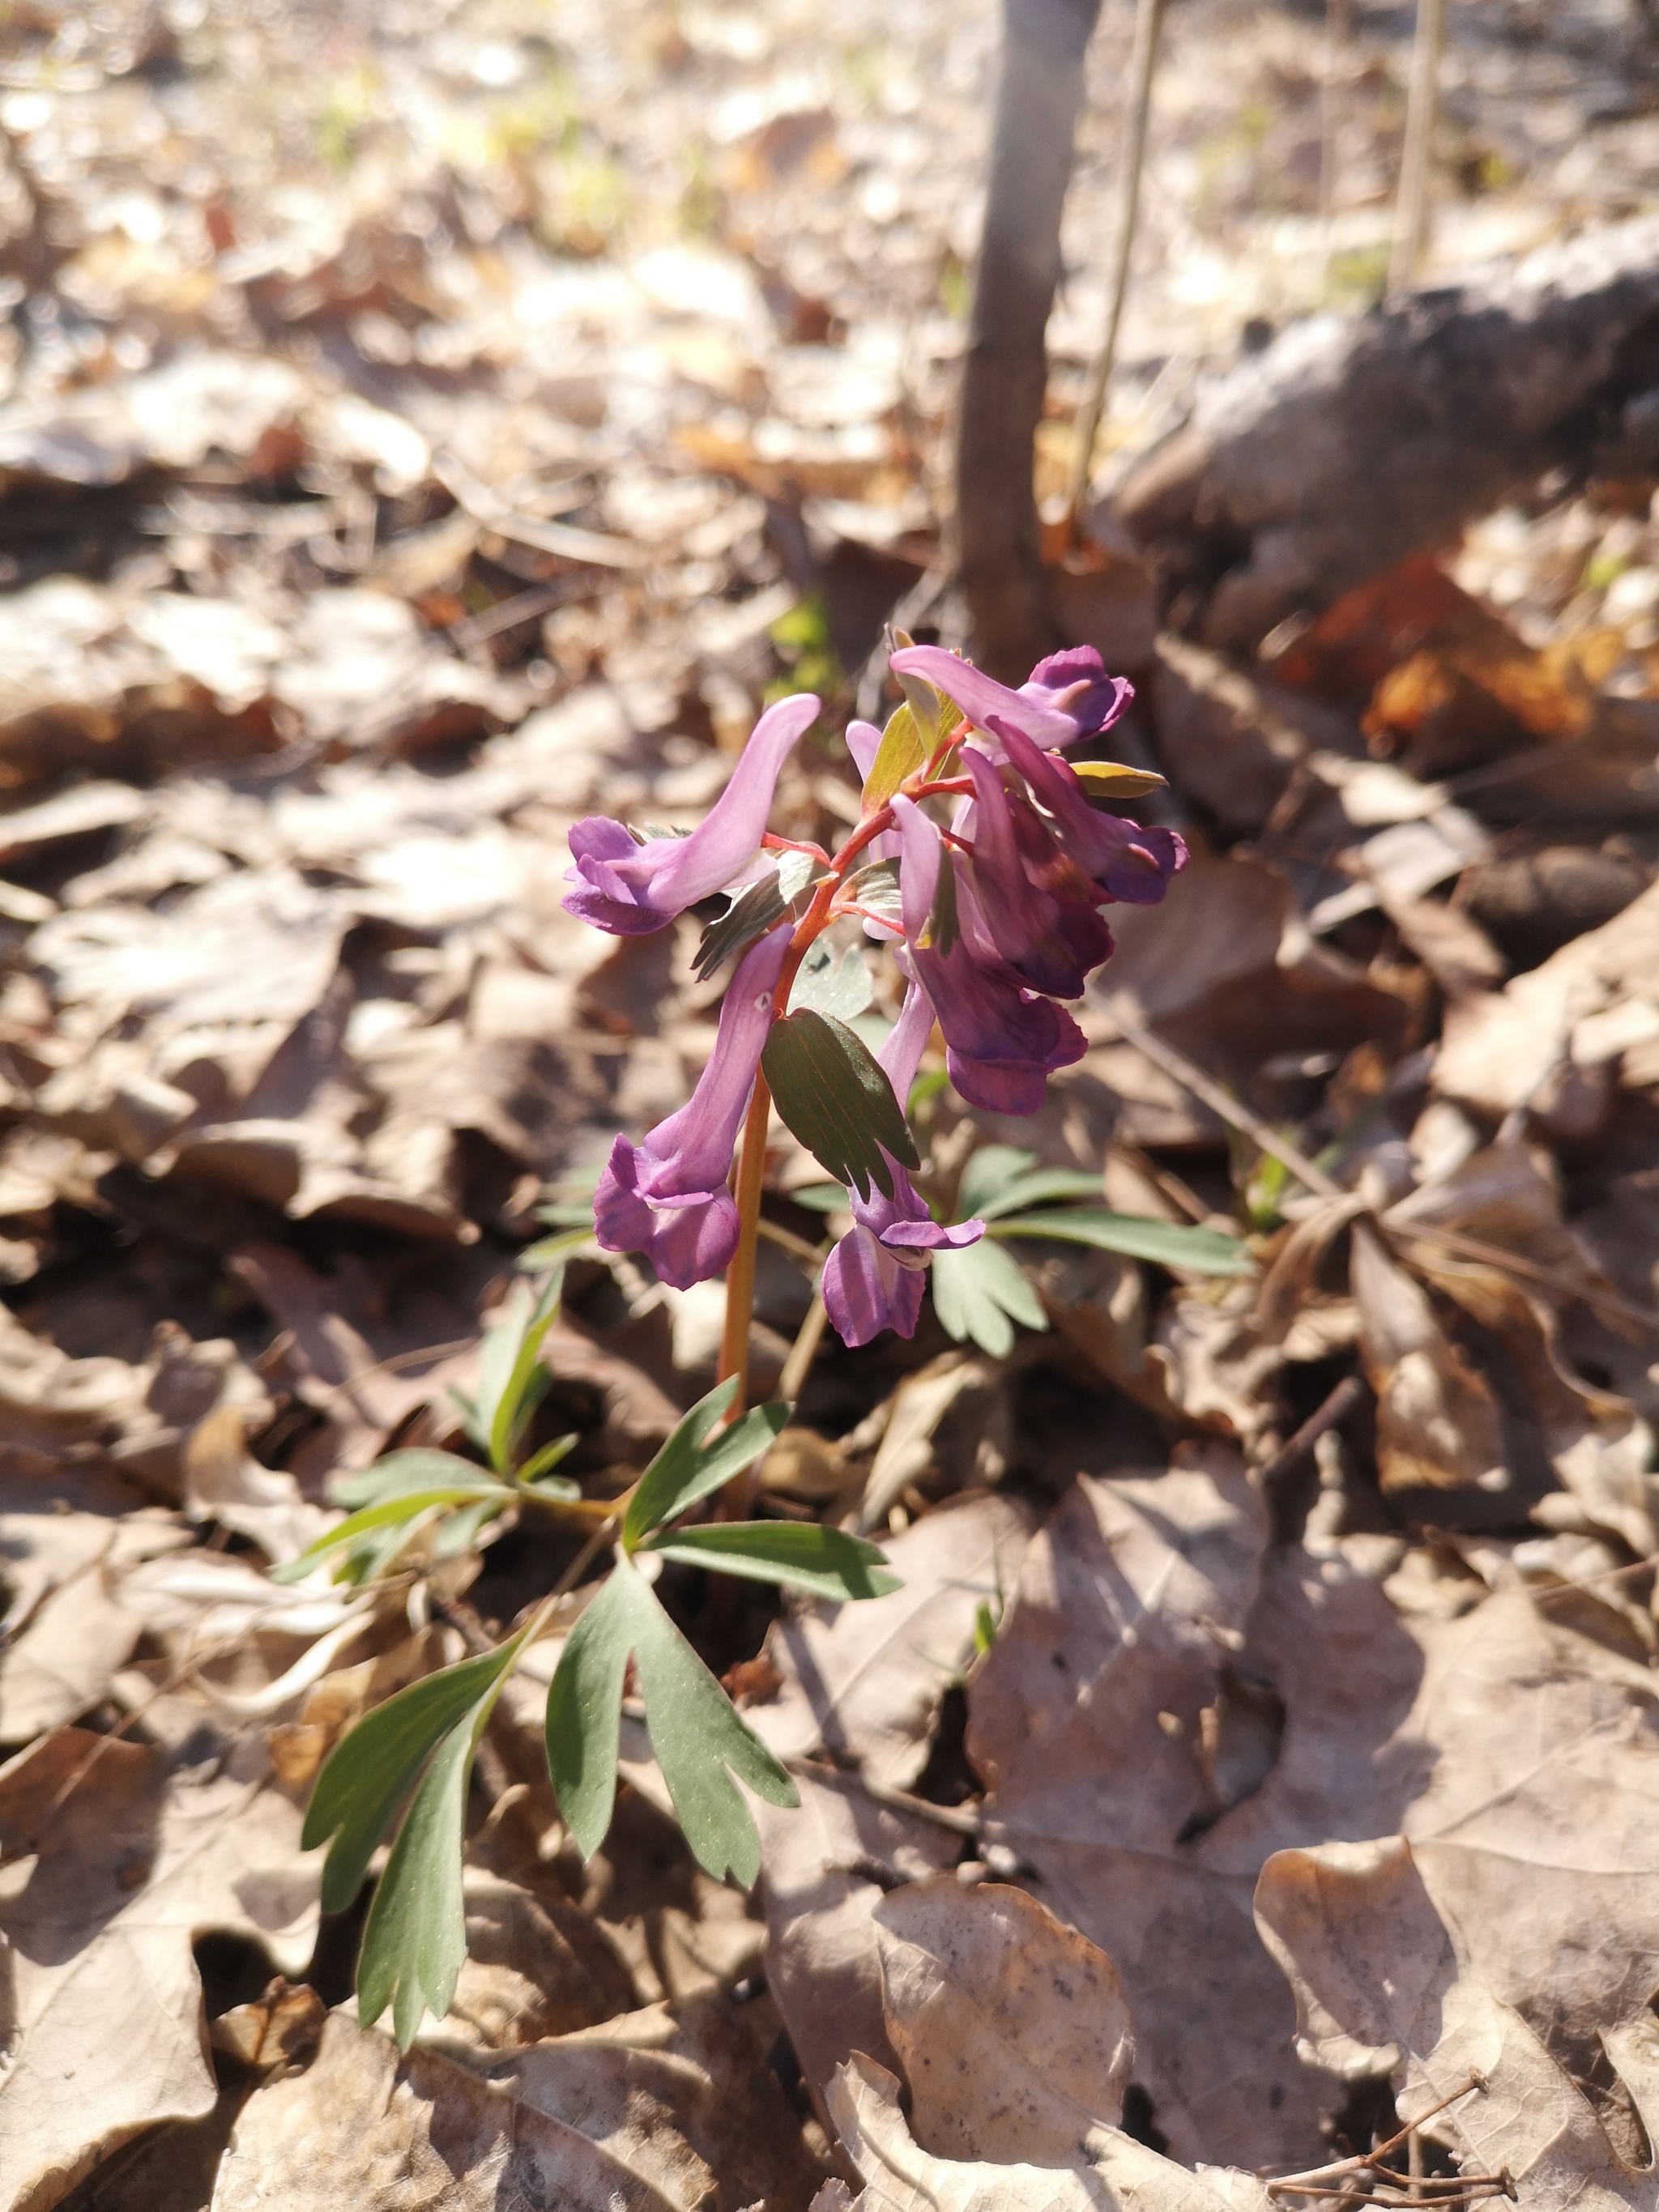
(872, 1279)
(667, 1196)
(630, 889)
(1128, 861)
(864, 743)
(1067, 696)
(1001, 1042)
(1038, 907)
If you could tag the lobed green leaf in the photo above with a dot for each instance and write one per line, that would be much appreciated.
(368, 1773)
(835, 1096)
(686, 1469)
(1042, 1188)
(414, 1939)
(484, 1496)
(799, 1554)
(699, 1740)
(980, 1292)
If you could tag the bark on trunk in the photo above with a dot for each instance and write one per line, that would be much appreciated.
(1039, 93)
(1349, 443)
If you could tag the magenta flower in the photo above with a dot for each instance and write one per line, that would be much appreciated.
(667, 1196)
(872, 1280)
(631, 888)
(1038, 907)
(1002, 1042)
(1128, 861)
(1066, 697)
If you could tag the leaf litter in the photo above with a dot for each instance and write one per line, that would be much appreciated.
(471, 432)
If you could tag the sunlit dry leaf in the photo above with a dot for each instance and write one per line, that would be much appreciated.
(1012, 2028)
(140, 1856)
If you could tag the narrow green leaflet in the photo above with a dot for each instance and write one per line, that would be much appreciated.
(1042, 1188)
(584, 1715)
(990, 1171)
(1171, 1244)
(799, 1554)
(403, 1473)
(368, 1772)
(902, 749)
(756, 910)
(834, 984)
(406, 1506)
(837, 1098)
(414, 1939)
(687, 1469)
(1111, 779)
(510, 1377)
(980, 1292)
(698, 1738)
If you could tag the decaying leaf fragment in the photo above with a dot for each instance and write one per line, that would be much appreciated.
(1437, 1421)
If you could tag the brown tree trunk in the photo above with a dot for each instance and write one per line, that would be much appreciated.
(1039, 94)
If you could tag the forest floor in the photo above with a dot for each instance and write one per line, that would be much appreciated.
(422, 426)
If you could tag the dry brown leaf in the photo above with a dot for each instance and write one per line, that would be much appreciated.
(1383, 1986)
(1157, 1716)
(825, 1867)
(899, 2174)
(864, 1683)
(66, 1542)
(1012, 2028)
(642, 2116)
(1437, 1421)
(108, 1884)
(1551, 1040)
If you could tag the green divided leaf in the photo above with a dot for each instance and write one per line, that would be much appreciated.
(902, 749)
(414, 1939)
(698, 1738)
(759, 908)
(990, 1171)
(481, 1495)
(980, 1292)
(584, 1715)
(685, 1470)
(837, 1098)
(368, 1772)
(510, 1377)
(405, 1473)
(1171, 1244)
(799, 1554)
(1042, 1188)
(833, 985)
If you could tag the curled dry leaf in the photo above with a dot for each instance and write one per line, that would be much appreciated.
(1437, 1421)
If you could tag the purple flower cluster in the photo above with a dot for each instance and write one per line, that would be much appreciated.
(1000, 913)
